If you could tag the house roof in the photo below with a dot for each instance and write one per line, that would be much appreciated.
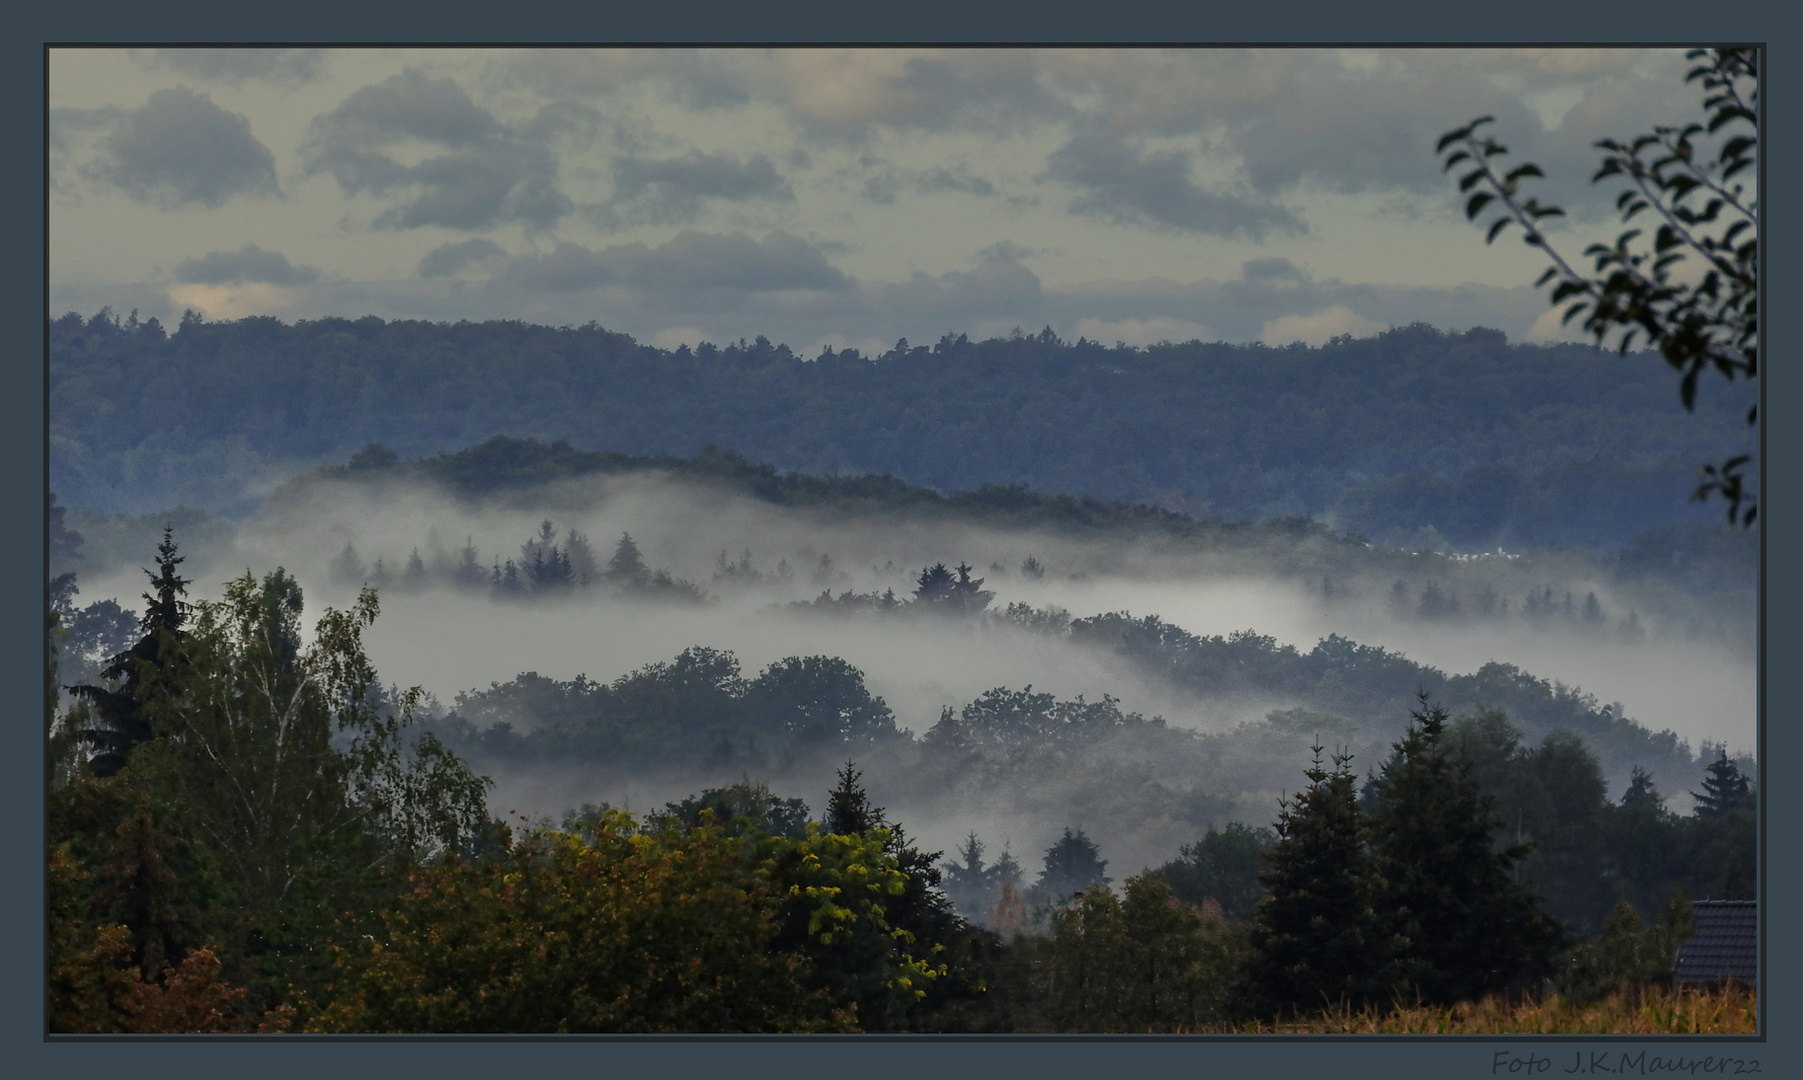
(1726, 944)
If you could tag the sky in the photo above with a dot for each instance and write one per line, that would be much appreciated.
(826, 198)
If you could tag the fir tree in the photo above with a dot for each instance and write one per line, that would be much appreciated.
(119, 707)
(1463, 925)
(1725, 789)
(848, 809)
(1317, 934)
(1072, 865)
(627, 567)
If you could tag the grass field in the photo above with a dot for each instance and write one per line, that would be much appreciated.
(1731, 1009)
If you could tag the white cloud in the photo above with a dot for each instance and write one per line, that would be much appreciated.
(1143, 332)
(1318, 328)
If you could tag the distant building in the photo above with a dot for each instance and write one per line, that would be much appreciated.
(1725, 946)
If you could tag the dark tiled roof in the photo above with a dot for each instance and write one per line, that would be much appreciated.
(1726, 944)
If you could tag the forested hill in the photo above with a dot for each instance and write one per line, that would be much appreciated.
(1484, 441)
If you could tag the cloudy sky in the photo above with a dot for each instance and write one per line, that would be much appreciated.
(824, 197)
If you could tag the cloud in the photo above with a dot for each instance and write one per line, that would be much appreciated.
(181, 149)
(252, 264)
(239, 65)
(1319, 327)
(489, 175)
(886, 181)
(448, 260)
(691, 262)
(701, 79)
(666, 190)
(1153, 188)
(1143, 332)
(233, 301)
(846, 93)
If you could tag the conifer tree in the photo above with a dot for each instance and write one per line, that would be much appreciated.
(627, 567)
(1463, 925)
(1725, 789)
(119, 705)
(1317, 935)
(1072, 865)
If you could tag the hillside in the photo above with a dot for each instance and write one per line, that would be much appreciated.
(1483, 441)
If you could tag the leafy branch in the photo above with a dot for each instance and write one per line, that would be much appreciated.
(1691, 289)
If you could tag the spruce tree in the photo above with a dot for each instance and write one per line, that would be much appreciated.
(119, 705)
(627, 567)
(1072, 865)
(848, 809)
(1317, 936)
(1463, 925)
(1725, 789)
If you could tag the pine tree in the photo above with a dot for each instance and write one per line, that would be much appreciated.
(1463, 925)
(413, 579)
(1072, 865)
(627, 567)
(968, 883)
(848, 809)
(1317, 934)
(1725, 789)
(122, 721)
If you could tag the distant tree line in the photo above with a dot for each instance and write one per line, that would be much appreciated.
(1532, 444)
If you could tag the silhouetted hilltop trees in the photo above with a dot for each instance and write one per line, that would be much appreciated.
(1527, 444)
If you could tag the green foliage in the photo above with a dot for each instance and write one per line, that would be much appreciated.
(1073, 866)
(741, 808)
(1725, 790)
(1141, 963)
(1463, 925)
(1626, 954)
(1180, 425)
(620, 933)
(1692, 183)
(1317, 937)
(1222, 866)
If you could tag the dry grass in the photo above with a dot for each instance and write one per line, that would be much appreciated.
(1731, 1009)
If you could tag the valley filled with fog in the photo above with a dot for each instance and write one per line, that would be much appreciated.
(754, 575)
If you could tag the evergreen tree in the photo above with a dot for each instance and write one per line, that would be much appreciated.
(413, 579)
(1642, 793)
(1463, 925)
(1317, 935)
(119, 705)
(580, 557)
(968, 594)
(347, 568)
(848, 809)
(1725, 789)
(1072, 865)
(627, 567)
(969, 884)
(469, 566)
(934, 587)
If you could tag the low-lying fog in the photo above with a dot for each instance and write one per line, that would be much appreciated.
(449, 641)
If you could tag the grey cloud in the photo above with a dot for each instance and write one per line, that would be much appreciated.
(1273, 270)
(412, 105)
(251, 263)
(885, 181)
(180, 149)
(957, 89)
(696, 79)
(1128, 187)
(691, 262)
(450, 259)
(997, 288)
(490, 174)
(675, 189)
(239, 65)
